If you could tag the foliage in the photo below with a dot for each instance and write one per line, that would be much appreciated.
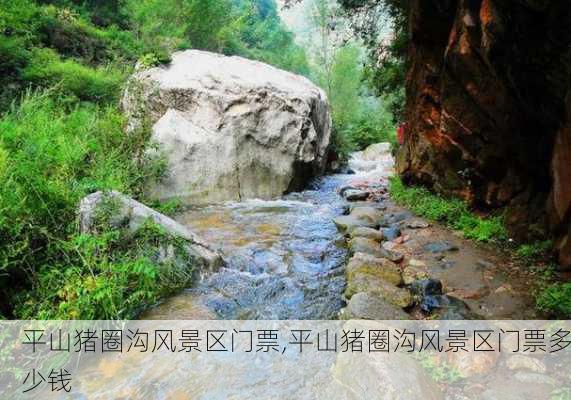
(534, 251)
(50, 158)
(115, 275)
(62, 66)
(555, 299)
(451, 212)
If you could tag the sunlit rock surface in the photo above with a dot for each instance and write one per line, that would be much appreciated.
(229, 127)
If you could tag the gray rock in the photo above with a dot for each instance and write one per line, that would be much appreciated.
(394, 256)
(355, 195)
(375, 377)
(395, 218)
(365, 245)
(348, 223)
(123, 212)
(230, 128)
(446, 307)
(368, 233)
(370, 306)
(426, 287)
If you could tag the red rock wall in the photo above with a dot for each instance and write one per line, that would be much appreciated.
(486, 96)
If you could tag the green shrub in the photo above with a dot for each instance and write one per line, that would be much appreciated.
(115, 275)
(50, 158)
(95, 84)
(555, 299)
(451, 212)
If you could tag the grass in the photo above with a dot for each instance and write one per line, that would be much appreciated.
(453, 213)
(51, 156)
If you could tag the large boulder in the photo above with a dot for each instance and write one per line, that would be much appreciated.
(117, 211)
(230, 128)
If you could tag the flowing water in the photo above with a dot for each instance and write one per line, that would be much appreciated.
(285, 257)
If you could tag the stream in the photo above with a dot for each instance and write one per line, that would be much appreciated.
(285, 257)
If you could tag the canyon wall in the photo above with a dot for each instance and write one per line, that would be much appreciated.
(488, 109)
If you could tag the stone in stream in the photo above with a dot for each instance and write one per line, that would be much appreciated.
(440, 247)
(348, 223)
(366, 305)
(230, 128)
(368, 233)
(392, 232)
(369, 213)
(364, 264)
(120, 211)
(355, 195)
(365, 245)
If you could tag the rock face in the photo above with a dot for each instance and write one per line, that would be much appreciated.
(121, 211)
(229, 127)
(486, 108)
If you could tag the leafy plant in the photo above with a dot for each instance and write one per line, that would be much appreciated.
(556, 299)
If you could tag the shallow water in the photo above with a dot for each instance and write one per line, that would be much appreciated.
(285, 257)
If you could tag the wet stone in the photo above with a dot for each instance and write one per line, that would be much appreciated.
(347, 223)
(440, 247)
(368, 233)
(391, 232)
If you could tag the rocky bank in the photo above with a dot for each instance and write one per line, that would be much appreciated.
(488, 109)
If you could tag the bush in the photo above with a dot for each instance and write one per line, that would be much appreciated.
(50, 158)
(94, 84)
(451, 212)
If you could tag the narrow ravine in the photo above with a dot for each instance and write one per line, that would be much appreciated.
(286, 258)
